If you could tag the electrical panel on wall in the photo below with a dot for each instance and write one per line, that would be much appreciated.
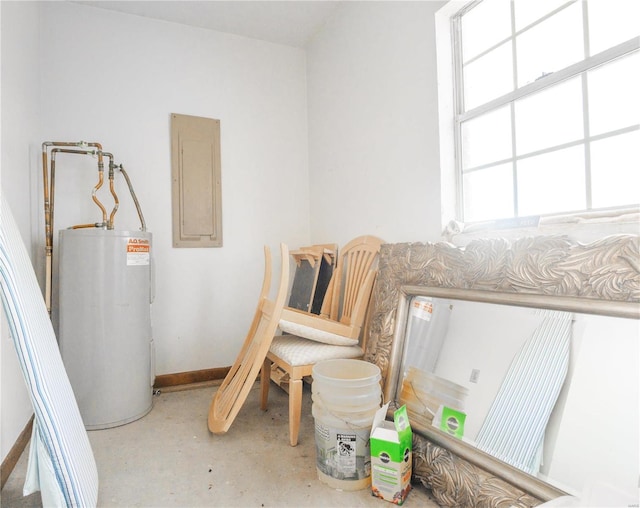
(196, 183)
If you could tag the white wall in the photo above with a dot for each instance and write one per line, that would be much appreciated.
(322, 146)
(373, 124)
(96, 75)
(602, 401)
(503, 331)
(113, 78)
(20, 101)
(116, 79)
(369, 142)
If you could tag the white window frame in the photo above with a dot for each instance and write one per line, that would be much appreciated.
(615, 221)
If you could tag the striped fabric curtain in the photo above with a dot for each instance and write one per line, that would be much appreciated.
(61, 462)
(514, 428)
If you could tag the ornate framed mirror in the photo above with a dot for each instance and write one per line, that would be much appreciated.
(529, 277)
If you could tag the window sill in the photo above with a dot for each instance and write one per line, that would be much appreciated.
(582, 227)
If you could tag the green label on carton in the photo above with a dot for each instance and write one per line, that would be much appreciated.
(452, 422)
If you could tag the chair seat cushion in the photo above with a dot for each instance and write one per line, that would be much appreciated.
(316, 335)
(300, 351)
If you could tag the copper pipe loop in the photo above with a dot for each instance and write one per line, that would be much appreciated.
(48, 180)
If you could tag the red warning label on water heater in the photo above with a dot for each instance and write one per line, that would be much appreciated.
(138, 251)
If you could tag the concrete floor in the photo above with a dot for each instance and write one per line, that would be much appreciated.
(169, 458)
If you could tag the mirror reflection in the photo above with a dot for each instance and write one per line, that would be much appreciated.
(552, 393)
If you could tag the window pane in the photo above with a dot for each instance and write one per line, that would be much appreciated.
(615, 170)
(476, 37)
(614, 99)
(488, 193)
(550, 46)
(526, 11)
(526, 156)
(553, 182)
(488, 77)
(612, 22)
(550, 117)
(487, 138)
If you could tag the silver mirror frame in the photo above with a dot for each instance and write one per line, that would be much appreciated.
(551, 272)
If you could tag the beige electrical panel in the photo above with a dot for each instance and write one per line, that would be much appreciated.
(196, 185)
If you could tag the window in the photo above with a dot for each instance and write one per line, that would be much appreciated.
(546, 107)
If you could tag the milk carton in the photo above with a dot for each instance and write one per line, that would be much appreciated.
(391, 455)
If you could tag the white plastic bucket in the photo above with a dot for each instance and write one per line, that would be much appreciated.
(424, 392)
(346, 395)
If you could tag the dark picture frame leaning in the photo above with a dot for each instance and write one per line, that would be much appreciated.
(555, 272)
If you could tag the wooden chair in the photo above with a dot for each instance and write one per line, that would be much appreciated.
(233, 391)
(333, 334)
(314, 268)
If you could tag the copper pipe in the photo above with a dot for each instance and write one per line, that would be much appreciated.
(47, 204)
(79, 144)
(49, 193)
(49, 188)
(113, 191)
(96, 145)
(95, 189)
(48, 178)
(81, 226)
(95, 198)
(100, 182)
(48, 249)
(48, 219)
(52, 193)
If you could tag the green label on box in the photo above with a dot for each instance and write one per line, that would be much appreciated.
(400, 419)
(452, 422)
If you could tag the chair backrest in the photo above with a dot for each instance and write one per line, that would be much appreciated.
(314, 267)
(230, 396)
(347, 297)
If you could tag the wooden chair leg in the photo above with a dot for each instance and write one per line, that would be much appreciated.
(295, 409)
(265, 379)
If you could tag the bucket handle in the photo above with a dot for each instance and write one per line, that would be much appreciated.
(326, 408)
(424, 405)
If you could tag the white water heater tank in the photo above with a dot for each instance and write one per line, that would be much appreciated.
(104, 323)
